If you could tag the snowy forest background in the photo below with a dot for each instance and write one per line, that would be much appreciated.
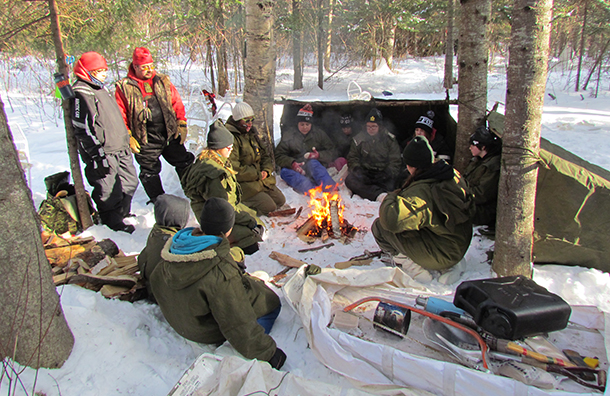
(396, 46)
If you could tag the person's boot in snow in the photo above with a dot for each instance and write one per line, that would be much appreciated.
(415, 271)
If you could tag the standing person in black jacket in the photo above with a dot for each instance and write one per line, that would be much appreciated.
(103, 143)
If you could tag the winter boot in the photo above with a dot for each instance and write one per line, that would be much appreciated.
(409, 267)
(152, 185)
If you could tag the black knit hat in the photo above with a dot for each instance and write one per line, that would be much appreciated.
(374, 116)
(426, 122)
(219, 136)
(346, 121)
(217, 216)
(418, 153)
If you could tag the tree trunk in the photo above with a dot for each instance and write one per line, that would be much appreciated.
(210, 61)
(525, 85)
(321, 40)
(448, 83)
(598, 62)
(582, 44)
(329, 28)
(389, 37)
(221, 50)
(297, 53)
(473, 54)
(260, 66)
(33, 330)
(82, 200)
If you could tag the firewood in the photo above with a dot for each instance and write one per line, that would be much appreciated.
(62, 279)
(107, 269)
(100, 266)
(125, 270)
(125, 260)
(304, 228)
(349, 263)
(296, 216)
(286, 260)
(111, 291)
(61, 255)
(311, 249)
(285, 212)
(121, 280)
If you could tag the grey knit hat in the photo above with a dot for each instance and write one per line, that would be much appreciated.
(418, 153)
(217, 216)
(219, 136)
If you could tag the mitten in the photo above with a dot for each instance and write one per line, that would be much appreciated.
(312, 269)
(181, 131)
(296, 166)
(278, 359)
(313, 154)
(134, 145)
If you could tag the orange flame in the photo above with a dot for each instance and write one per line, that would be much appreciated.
(319, 202)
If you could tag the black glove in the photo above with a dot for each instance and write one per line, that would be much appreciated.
(278, 359)
(100, 165)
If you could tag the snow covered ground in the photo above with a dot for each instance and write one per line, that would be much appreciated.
(125, 348)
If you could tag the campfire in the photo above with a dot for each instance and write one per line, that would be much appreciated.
(326, 219)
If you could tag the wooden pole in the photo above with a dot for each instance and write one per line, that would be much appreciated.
(82, 199)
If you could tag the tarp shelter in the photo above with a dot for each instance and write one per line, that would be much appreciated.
(399, 116)
(572, 218)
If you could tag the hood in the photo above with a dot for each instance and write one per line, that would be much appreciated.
(182, 270)
(440, 170)
(172, 211)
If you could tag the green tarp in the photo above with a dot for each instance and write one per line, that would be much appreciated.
(572, 222)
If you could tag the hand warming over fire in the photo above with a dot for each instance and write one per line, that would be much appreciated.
(297, 167)
(312, 154)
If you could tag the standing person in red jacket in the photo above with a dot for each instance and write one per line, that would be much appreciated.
(155, 116)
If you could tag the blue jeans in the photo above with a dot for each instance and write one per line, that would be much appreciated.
(268, 320)
(316, 175)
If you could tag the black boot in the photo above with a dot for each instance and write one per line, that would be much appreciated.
(152, 185)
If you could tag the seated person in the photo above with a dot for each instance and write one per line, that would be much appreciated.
(483, 174)
(304, 153)
(343, 137)
(213, 176)
(373, 160)
(206, 297)
(171, 215)
(425, 127)
(253, 165)
(426, 224)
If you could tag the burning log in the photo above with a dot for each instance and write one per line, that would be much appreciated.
(327, 215)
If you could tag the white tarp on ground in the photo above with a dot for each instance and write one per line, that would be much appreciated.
(382, 369)
(212, 375)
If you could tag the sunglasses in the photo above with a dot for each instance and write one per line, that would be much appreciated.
(248, 120)
(147, 67)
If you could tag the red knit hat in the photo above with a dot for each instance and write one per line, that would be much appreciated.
(142, 56)
(88, 62)
(305, 113)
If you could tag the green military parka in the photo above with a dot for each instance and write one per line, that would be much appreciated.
(483, 177)
(249, 158)
(207, 298)
(294, 145)
(212, 176)
(430, 220)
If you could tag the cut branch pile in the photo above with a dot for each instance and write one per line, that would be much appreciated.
(99, 266)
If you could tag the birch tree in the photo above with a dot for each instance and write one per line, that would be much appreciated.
(525, 85)
(33, 330)
(260, 66)
(473, 54)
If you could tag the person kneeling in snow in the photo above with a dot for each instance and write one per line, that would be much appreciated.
(207, 297)
(427, 224)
